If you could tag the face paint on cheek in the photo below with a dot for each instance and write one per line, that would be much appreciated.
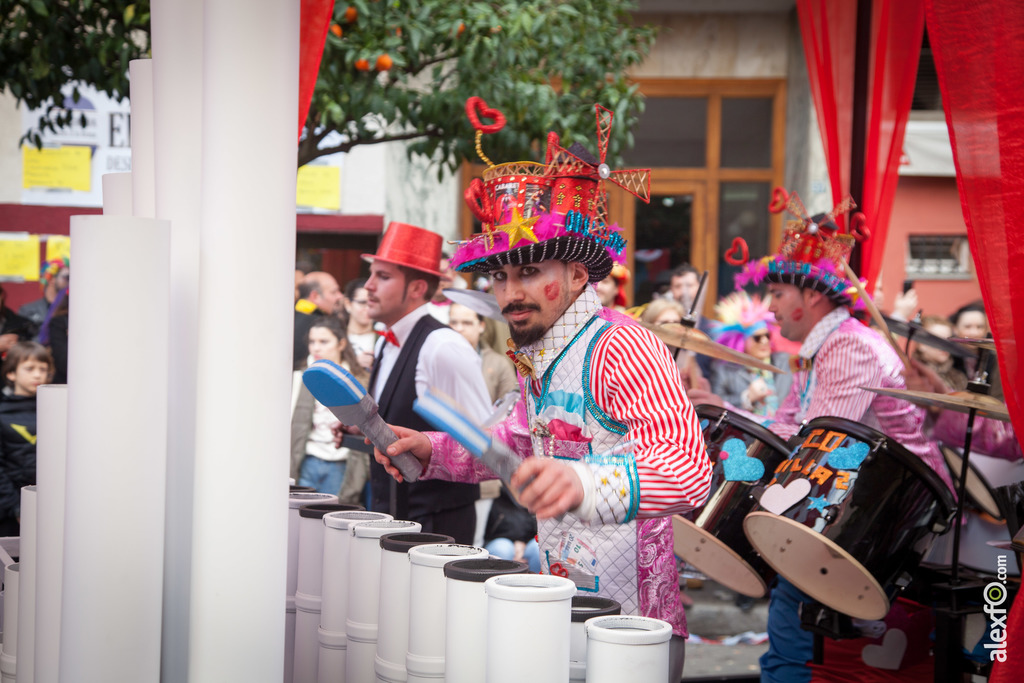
(552, 291)
(797, 314)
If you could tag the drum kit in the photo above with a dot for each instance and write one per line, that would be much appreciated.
(844, 512)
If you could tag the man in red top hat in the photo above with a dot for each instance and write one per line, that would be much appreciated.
(415, 352)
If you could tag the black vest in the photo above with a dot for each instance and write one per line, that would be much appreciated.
(422, 497)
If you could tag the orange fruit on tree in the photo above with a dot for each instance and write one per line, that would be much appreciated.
(384, 62)
(462, 27)
(336, 30)
(351, 13)
(362, 65)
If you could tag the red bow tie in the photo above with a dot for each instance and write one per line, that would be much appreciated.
(389, 336)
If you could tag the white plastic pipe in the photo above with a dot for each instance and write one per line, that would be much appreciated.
(308, 587)
(176, 31)
(9, 654)
(295, 501)
(51, 464)
(585, 607)
(27, 587)
(334, 595)
(117, 194)
(364, 594)
(528, 613)
(393, 614)
(427, 597)
(123, 394)
(625, 647)
(247, 238)
(465, 640)
(140, 75)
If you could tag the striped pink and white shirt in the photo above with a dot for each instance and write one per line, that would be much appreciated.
(634, 380)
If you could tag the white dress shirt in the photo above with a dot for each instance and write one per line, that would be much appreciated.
(446, 363)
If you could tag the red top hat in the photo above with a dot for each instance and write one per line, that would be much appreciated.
(409, 246)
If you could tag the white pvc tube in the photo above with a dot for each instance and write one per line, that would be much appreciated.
(364, 594)
(528, 613)
(176, 30)
(308, 587)
(621, 648)
(123, 394)
(27, 587)
(117, 194)
(51, 464)
(585, 607)
(140, 75)
(427, 598)
(295, 501)
(334, 591)
(9, 654)
(393, 613)
(247, 238)
(465, 640)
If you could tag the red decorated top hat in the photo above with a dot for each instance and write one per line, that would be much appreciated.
(409, 246)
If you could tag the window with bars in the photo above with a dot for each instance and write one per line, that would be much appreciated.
(938, 257)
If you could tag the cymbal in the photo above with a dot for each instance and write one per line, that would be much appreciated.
(692, 339)
(987, 344)
(911, 330)
(960, 401)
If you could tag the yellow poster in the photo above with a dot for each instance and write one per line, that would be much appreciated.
(58, 247)
(68, 167)
(319, 187)
(19, 256)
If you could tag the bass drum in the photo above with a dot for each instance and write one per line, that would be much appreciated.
(744, 454)
(848, 516)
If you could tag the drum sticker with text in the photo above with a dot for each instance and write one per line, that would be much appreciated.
(737, 465)
(832, 475)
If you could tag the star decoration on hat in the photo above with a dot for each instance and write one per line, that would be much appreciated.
(518, 228)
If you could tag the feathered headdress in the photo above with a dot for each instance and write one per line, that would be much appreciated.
(740, 316)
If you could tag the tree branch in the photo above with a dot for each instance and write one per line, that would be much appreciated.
(305, 156)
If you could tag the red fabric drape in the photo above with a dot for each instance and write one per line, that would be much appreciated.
(829, 29)
(979, 58)
(897, 27)
(315, 20)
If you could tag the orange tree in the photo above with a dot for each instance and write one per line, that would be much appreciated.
(543, 63)
(391, 70)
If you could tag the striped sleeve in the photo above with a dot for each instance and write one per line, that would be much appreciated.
(635, 381)
(845, 363)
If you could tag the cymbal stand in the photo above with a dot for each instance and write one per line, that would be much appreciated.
(690, 317)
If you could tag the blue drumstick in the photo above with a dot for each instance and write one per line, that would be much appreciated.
(343, 395)
(445, 415)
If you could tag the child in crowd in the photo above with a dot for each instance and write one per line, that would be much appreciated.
(26, 366)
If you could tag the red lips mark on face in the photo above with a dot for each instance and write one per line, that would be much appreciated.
(552, 291)
(797, 314)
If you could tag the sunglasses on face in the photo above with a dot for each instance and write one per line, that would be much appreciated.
(763, 337)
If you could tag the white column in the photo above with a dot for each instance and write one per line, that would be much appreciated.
(177, 34)
(140, 75)
(116, 455)
(117, 194)
(250, 105)
(51, 462)
(27, 587)
(9, 655)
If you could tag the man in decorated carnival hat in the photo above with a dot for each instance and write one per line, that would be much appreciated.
(811, 299)
(416, 351)
(610, 444)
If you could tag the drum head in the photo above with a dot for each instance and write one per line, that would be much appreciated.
(816, 565)
(978, 490)
(715, 559)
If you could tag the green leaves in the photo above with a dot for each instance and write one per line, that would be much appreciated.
(46, 46)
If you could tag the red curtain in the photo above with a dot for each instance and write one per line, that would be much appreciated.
(897, 27)
(315, 20)
(979, 57)
(829, 31)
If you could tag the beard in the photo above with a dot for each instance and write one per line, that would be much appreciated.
(526, 334)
